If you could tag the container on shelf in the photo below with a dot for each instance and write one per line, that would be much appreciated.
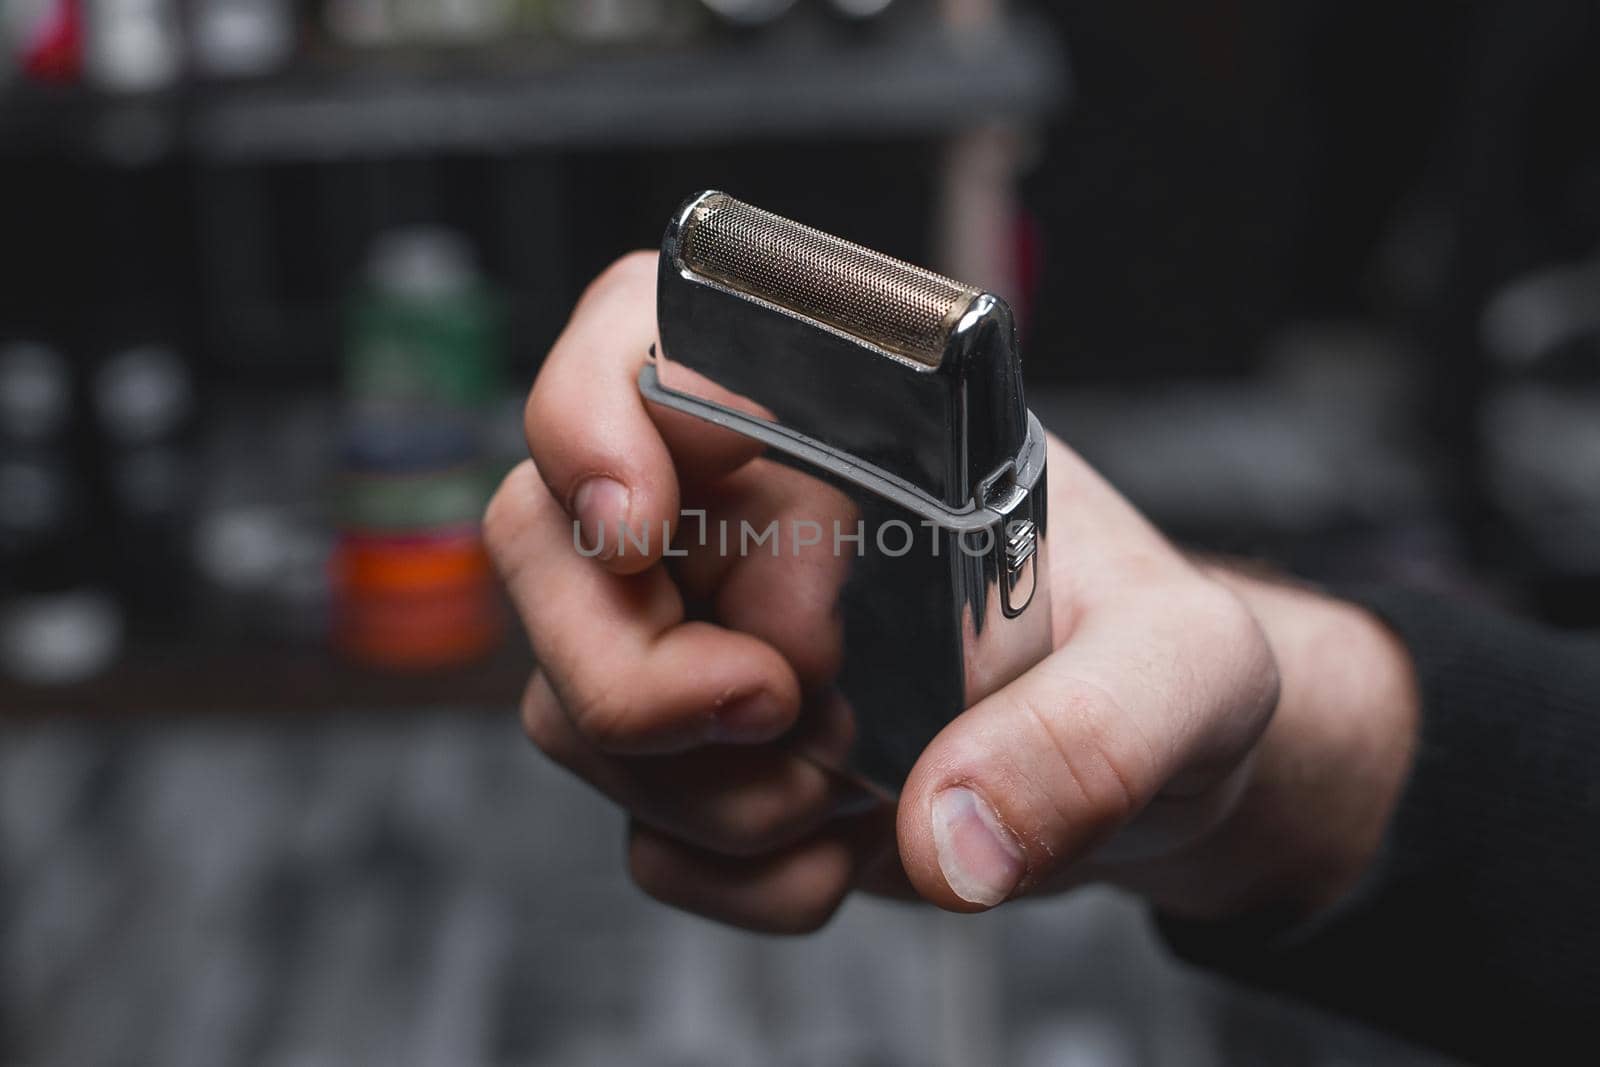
(143, 397)
(412, 584)
(57, 624)
(132, 46)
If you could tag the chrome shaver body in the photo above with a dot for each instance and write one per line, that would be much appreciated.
(892, 398)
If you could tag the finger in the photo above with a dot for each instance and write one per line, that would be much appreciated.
(736, 801)
(606, 455)
(795, 891)
(1099, 543)
(633, 675)
(785, 592)
(1021, 787)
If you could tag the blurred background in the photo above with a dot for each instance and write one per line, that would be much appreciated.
(1310, 280)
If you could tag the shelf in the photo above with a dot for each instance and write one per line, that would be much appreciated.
(185, 677)
(75, 122)
(926, 82)
(904, 81)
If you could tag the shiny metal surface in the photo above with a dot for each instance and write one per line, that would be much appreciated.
(863, 446)
(903, 309)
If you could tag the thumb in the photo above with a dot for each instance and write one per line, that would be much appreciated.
(1162, 698)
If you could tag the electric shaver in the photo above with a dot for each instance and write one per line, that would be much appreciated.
(913, 544)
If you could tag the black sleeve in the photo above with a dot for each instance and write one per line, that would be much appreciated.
(1478, 929)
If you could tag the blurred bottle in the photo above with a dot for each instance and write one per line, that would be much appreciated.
(56, 625)
(860, 10)
(424, 331)
(749, 13)
(413, 586)
(241, 38)
(261, 538)
(144, 403)
(44, 38)
(35, 394)
(133, 46)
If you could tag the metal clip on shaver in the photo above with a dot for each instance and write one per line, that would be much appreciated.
(899, 392)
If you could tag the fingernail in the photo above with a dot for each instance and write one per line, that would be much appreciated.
(748, 720)
(979, 858)
(601, 507)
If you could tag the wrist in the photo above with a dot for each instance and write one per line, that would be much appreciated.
(1330, 768)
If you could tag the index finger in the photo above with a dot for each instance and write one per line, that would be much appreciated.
(605, 454)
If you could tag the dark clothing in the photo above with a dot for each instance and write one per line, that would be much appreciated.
(1478, 929)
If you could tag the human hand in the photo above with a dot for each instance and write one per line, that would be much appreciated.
(1190, 737)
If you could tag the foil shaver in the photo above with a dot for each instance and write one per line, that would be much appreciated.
(892, 399)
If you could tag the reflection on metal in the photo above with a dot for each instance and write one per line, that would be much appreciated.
(1021, 574)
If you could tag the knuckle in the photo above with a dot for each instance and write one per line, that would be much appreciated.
(539, 723)
(1113, 764)
(510, 512)
(809, 915)
(816, 890)
(1116, 787)
(503, 514)
(650, 867)
(629, 273)
(551, 399)
(791, 906)
(1109, 768)
(532, 410)
(756, 822)
(1215, 610)
(602, 714)
(1239, 643)
(1090, 707)
(1151, 567)
(1148, 568)
(541, 420)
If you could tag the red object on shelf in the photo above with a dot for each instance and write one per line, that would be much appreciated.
(53, 51)
(416, 603)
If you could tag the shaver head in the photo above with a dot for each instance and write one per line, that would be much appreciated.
(889, 363)
(880, 301)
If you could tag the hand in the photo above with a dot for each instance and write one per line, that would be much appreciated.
(1214, 741)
